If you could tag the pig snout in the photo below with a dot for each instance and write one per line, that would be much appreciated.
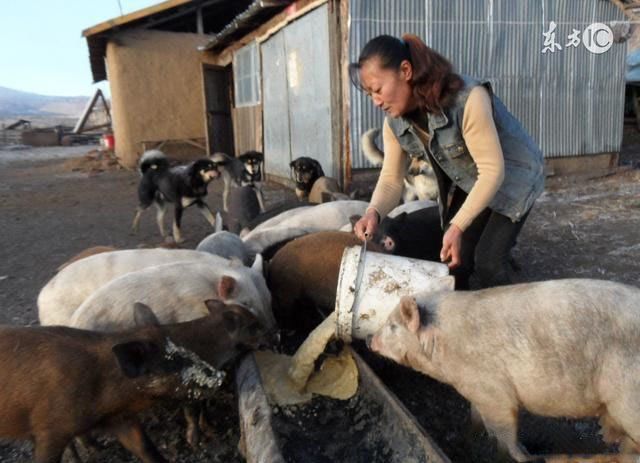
(388, 243)
(373, 343)
(271, 340)
(196, 379)
(268, 341)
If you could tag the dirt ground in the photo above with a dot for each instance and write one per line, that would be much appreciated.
(49, 212)
(53, 204)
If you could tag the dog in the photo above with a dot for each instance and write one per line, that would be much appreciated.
(245, 170)
(326, 189)
(420, 179)
(183, 185)
(304, 172)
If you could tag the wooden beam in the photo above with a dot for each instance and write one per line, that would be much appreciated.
(346, 95)
(336, 83)
(199, 23)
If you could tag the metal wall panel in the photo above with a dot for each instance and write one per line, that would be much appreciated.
(307, 49)
(370, 18)
(275, 113)
(570, 101)
(297, 98)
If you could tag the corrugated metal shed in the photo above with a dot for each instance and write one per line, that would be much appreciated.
(570, 100)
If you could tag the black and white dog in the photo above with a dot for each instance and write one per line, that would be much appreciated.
(245, 170)
(183, 185)
(419, 180)
(304, 172)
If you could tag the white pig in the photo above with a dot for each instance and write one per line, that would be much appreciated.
(564, 348)
(301, 221)
(64, 293)
(176, 292)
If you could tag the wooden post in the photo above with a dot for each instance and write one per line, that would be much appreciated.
(199, 22)
(636, 105)
(346, 94)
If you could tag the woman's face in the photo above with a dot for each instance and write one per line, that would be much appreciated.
(389, 89)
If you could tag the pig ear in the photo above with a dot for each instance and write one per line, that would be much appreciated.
(214, 305)
(231, 320)
(135, 357)
(143, 315)
(226, 286)
(410, 313)
(257, 264)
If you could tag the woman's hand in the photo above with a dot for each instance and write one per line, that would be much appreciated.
(367, 225)
(451, 246)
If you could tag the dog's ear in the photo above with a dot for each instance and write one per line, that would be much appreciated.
(401, 217)
(318, 168)
(293, 163)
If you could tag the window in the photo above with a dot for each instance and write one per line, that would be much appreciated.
(246, 76)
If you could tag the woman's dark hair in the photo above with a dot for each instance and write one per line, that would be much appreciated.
(434, 82)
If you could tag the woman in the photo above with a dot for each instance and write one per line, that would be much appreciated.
(488, 168)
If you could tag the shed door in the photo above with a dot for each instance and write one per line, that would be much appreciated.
(217, 92)
(297, 94)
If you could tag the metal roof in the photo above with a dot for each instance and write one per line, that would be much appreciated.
(254, 16)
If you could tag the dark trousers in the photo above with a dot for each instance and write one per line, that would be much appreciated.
(486, 247)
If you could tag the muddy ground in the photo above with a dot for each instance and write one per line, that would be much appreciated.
(49, 211)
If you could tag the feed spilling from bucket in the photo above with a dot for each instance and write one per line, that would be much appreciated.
(370, 286)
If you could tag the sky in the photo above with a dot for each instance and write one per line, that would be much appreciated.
(41, 46)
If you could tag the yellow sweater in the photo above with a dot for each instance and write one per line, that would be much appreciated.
(481, 137)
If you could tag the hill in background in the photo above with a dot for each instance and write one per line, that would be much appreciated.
(15, 104)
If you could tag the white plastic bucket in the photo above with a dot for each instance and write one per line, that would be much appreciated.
(370, 288)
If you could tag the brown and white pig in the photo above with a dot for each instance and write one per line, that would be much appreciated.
(60, 382)
(564, 348)
(176, 292)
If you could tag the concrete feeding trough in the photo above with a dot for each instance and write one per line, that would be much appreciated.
(391, 433)
(374, 425)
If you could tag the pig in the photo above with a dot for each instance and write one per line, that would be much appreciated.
(411, 206)
(563, 348)
(225, 244)
(64, 293)
(322, 217)
(88, 252)
(278, 211)
(61, 382)
(176, 292)
(416, 234)
(303, 277)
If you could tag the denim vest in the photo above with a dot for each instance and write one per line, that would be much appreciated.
(523, 162)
